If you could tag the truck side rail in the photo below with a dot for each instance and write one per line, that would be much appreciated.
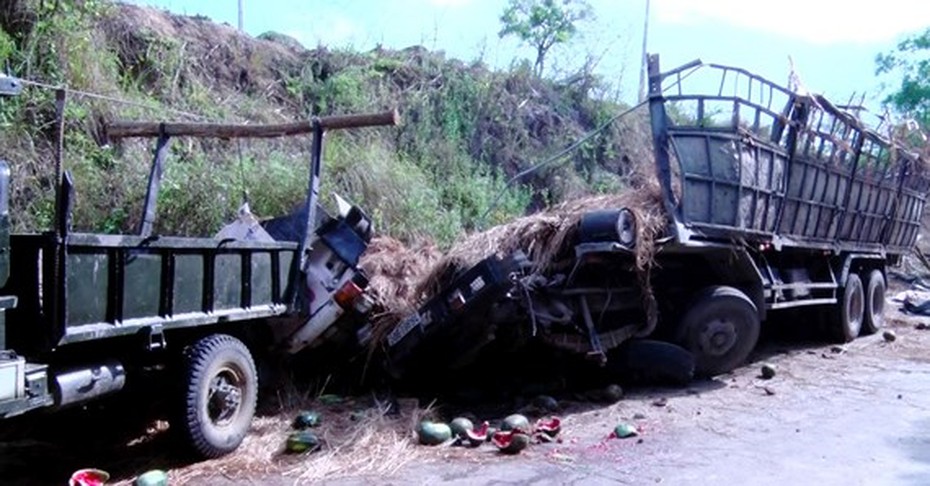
(118, 285)
(742, 158)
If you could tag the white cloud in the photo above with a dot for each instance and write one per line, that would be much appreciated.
(816, 21)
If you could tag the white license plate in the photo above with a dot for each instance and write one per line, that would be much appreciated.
(403, 329)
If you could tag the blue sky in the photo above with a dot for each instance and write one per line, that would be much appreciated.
(833, 43)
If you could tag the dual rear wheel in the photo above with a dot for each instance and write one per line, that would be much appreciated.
(861, 307)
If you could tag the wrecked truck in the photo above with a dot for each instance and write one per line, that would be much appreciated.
(83, 315)
(774, 200)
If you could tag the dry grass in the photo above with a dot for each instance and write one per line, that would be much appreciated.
(361, 443)
(405, 277)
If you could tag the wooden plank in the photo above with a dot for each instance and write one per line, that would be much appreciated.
(219, 130)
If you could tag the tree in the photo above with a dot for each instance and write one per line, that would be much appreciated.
(910, 60)
(543, 23)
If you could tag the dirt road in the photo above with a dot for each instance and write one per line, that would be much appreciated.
(858, 414)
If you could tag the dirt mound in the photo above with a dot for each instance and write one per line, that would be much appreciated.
(218, 55)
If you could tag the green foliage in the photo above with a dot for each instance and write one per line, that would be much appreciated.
(911, 61)
(541, 24)
(465, 129)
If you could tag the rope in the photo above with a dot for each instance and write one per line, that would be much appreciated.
(111, 99)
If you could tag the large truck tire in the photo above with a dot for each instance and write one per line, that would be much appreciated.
(220, 390)
(720, 329)
(646, 361)
(874, 303)
(846, 318)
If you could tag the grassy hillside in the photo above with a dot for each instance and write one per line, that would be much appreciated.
(466, 129)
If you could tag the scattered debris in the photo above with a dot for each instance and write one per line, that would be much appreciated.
(624, 431)
(89, 477)
(510, 441)
(155, 477)
(889, 336)
(768, 371)
(302, 441)
(306, 419)
(431, 433)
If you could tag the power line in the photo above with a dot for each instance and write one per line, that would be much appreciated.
(111, 99)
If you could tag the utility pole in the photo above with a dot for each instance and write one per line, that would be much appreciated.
(642, 60)
(240, 16)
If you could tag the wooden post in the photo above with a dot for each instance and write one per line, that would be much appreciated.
(151, 193)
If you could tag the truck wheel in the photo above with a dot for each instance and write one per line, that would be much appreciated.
(721, 329)
(848, 315)
(874, 303)
(652, 362)
(220, 392)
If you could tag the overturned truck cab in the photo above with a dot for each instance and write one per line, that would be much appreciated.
(771, 199)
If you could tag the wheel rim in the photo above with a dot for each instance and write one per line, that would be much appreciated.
(224, 398)
(717, 337)
(878, 304)
(855, 309)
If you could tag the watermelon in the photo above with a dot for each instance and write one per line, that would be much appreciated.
(460, 426)
(303, 441)
(550, 426)
(516, 422)
(511, 441)
(155, 477)
(430, 433)
(306, 419)
(475, 437)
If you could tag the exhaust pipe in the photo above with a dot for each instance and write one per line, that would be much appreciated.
(78, 385)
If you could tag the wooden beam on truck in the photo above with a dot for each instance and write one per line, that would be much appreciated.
(219, 130)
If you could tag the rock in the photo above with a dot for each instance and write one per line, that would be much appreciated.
(302, 441)
(430, 433)
(612, 394)
(768, 371)
(921, 326)
(306, 419)
(516, 422)
(837, 349)
(768, 391)
(460, 426)
(623, 431)
(889, 336)
(155, 477)
(546, 403)
(639, 416)
(660, 402)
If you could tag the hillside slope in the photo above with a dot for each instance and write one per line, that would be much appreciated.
(465, 128)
